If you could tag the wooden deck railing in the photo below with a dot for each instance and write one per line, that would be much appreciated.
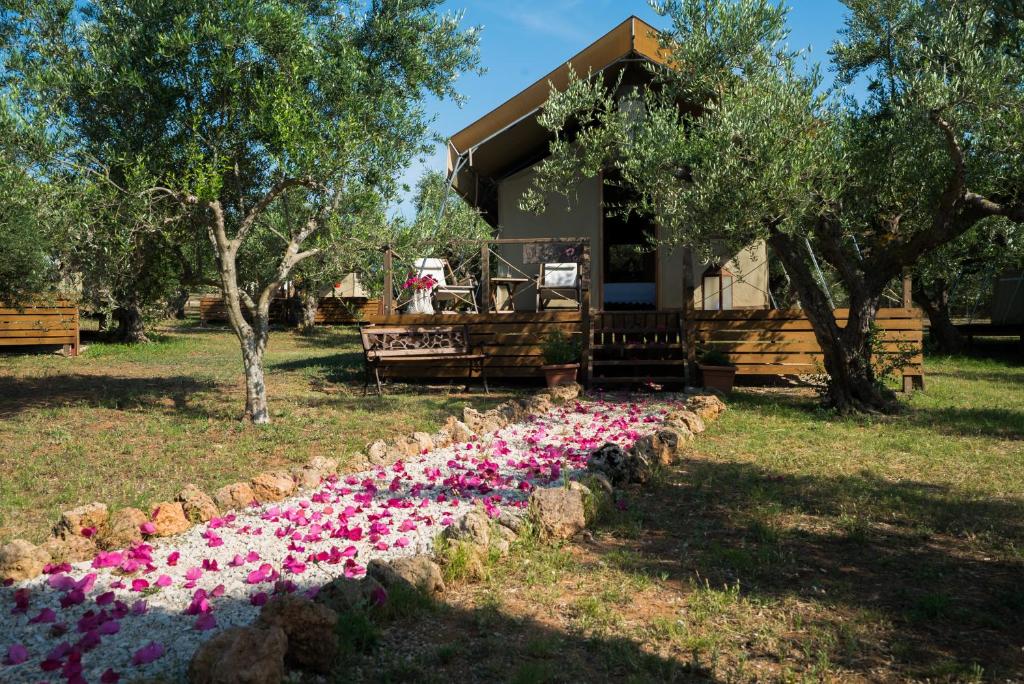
(47, 324)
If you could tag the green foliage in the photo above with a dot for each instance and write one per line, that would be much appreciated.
(27, 270)
(560, 349)
(715, 357)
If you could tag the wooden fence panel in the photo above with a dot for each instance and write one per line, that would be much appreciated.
(782, 342)
(50, 324)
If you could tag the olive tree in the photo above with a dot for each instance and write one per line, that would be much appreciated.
(735, 141)
(245, 104)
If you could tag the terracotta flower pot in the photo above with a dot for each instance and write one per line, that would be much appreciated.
(718, 377)
(562, 374)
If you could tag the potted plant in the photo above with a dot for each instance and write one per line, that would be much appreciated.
(716, 370)
(561, 359)
(421, 288)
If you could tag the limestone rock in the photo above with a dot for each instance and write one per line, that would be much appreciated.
(418, 572)
(513, 520)
(558, 512)
(619, 466)
(424, 442)
(512, 411)
(309, 626)
(306, 478)
(652, 450)
(70, 550)
(442, 439)
(325, 466)
(241, 655)
(72, 522)
(483, 423)
(237, 495)
(197, 505)
(122, 529)
(407, 446)
(21, 560)
(673, 440)
(707, 406)
(504, 533)
(688, 419)
(272, 486)
(343, 594)
(561, 394)
(473, 527)
(538, 404)
(458, 430)
(381, 453)
(169, 519)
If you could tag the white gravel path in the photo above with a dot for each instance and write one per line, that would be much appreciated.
(92, 623)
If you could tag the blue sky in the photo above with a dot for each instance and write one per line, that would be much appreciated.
(523, 40)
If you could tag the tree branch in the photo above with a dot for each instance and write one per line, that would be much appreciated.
(276, 191)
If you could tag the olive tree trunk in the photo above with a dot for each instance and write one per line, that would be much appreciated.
(310, 302)
(131, 327)
(846, 351)
(934, 301)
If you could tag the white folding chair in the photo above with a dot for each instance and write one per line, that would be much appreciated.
(448, 291)
(559, 286)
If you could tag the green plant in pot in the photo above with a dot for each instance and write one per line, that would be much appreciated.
(561, 358)
(716, 370)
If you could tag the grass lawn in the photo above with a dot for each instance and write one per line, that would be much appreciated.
(132, 425)
(788, 546)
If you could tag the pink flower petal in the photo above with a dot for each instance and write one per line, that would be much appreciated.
(148, 653)
(205, 622)
(16, 653)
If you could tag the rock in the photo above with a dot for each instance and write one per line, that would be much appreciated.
(357, 462)
(381, 453)
(306, 478)
(600, 481)
(483, 423)
(501, 545)
(620, 467)
(652, 450)
(70, 550)
(240, 655)
(538, 404)
(473, 527)
(272, 486)
(122, 529)
(688, 419)
(325, 466)
(407, 446)
(561, 394)
(424, 442)
(459, 431)
(197, 505)
(72, 522)
(21, 560)
(417, 572)
(512, 520)
(309, 626)
(442, 439)
(237, 495)
(673, 440)
(707, 406)
(558, 512)
(504, 533)
(342, 594)
(169, 519)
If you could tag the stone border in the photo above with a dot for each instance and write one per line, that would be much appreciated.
(84, 531)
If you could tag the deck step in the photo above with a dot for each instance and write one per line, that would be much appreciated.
(639, 362)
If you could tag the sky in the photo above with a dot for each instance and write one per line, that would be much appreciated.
(523, 40)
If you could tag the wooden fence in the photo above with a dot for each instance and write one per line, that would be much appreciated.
(782, 342)
(52, 324)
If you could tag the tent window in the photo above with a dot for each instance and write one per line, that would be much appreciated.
(716, 289)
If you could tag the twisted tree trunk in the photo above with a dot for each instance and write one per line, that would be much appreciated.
(310, 302)
(946, 338)
(131, 328)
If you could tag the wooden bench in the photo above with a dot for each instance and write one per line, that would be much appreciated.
(394, 344)
(44, 325)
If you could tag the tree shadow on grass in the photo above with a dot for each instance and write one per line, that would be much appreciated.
(171, 394)
(912, 553)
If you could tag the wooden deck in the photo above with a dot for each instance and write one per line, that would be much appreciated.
(653, 346)
(48, 324)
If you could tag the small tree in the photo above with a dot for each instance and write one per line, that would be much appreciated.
(735, 142)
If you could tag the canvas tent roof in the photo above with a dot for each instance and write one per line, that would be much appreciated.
(509, 138)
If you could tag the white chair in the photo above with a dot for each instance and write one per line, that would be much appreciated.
(559, 285)
(448, 290)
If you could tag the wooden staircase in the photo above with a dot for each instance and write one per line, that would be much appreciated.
(637, 347)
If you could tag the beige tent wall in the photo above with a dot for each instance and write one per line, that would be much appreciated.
(580, 216)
